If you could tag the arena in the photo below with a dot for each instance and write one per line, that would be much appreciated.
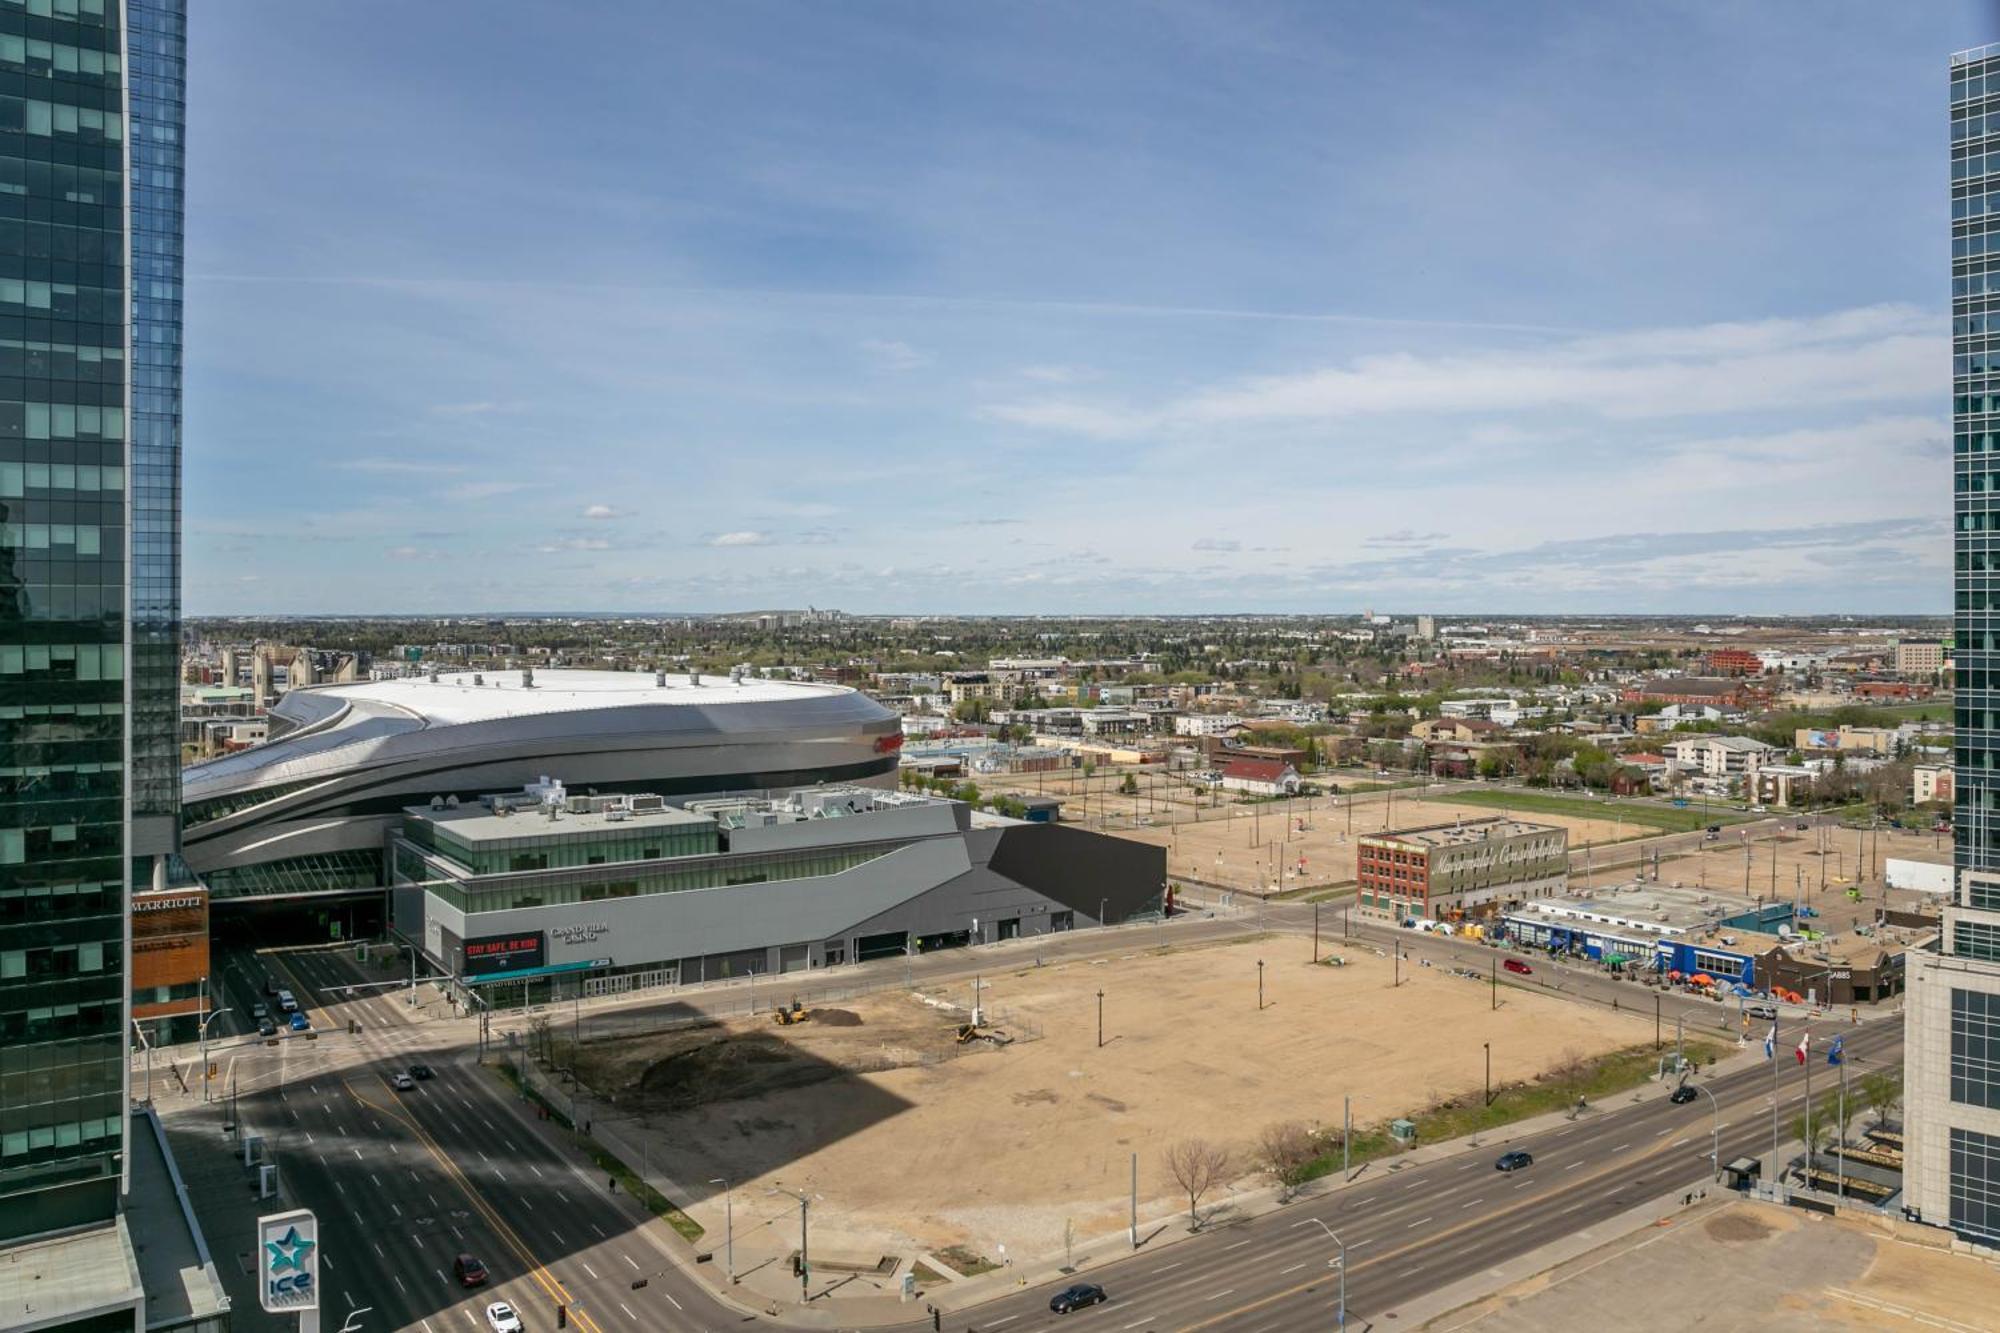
(307, 813)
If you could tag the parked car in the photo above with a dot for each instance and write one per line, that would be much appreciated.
(401, 1082)
(1514, 1161)
(1802, 826)
(270, 985)
(469, 1271)
(1765, 1011)
(1518, 968)
(300, 1023)
(500, 1317)
(1682, 1095)
(266, 1028)
(1076, 1297)
(421, 1072)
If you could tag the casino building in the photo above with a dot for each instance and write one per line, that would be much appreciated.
(596, 895)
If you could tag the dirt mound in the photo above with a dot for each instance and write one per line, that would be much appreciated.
(749, 1065)
(1738, 1227)
(837, 1018)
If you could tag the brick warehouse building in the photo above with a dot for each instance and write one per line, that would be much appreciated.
(1466, 867)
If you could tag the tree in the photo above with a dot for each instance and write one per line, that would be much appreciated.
(1130, 786)
(1286, 1152)
(1883, 1092)
(1197, 1166)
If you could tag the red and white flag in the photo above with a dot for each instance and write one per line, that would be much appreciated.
(1805, 1040)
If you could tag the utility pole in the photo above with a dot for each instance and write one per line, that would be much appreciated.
(1100, 1018)
(1315, 932)
(1346, 1131)
(1135, 1201)
(1260, 985)
(1496, 982)
(1488, 1047)
(1656, 1022)
(729, 1227)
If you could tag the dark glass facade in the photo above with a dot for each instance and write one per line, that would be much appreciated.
(70, 467)
(1975, 328)
(156, 52)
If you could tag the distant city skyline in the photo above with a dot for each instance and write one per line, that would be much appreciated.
(1183, 308)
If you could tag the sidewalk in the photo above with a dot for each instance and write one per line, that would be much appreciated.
(223, 1193)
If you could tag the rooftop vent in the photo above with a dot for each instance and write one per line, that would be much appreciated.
(527, 678)
(694, 677)
(659, 680)
(437, 802)
(478, 679)
(433, 674)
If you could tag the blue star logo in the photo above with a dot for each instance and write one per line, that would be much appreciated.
(290, 1251)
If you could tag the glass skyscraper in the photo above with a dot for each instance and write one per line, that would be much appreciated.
(1975, 386)
(91, 100)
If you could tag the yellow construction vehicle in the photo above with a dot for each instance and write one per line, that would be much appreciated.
(794, 1013)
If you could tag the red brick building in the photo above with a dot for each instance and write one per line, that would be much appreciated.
(1732, 662)
(1696, 690)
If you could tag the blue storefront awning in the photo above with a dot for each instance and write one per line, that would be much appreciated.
(520, 974)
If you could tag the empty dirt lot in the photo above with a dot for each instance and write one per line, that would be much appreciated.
(909, 1142)
(1250, 848)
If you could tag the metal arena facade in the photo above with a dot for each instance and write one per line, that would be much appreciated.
(309, 812)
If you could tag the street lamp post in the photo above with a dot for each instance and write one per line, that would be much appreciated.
(729, 1227)
(1340, 1319)
(1488, 1046)
(1100, 1018)
(1260, 985)
(1715, 1137)
(204, 1049)
(805, 1271)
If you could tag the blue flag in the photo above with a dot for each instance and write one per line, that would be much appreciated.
(1771, 1042)
(1833, 1056)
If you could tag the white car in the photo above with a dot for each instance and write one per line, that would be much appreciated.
(402, 1082)
(500, 1317)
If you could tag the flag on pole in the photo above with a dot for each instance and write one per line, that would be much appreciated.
(1805, 1041)
(1771, 1041)
(1835, 1052)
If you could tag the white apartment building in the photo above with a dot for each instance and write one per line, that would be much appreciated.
(1206, 724)
(1507, 712)
(1951, 1067)
(1719, 756)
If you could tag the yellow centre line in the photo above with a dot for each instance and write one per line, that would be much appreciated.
(545, 1279)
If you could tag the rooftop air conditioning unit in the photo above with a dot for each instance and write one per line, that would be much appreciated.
(437, 802)
(451, 803)
(527, 678)
(478, 679)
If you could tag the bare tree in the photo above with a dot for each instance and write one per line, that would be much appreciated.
(1882, 1091)
(1197, 1166)
(1286, 1152)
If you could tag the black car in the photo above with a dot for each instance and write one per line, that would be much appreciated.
(420, 1072)
(1682, 1095)
(1076, 1297)
(266, 1028)
(1514, 1161)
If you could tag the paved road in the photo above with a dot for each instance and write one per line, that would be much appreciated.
(405, 1181)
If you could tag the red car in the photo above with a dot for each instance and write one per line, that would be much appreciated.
(1518, 967)
(469, 1271)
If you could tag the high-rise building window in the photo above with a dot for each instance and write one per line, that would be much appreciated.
(1975, 1048)
(1975, 1183)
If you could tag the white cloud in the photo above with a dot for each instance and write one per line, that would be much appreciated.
(1059, 374)
(602, 512)
(478, 409)
(410, 553)
(574, 544)
(1866, 355)
(482, 490)
(1217, 544)
(401, 467)
(740, 539)
(892, 355)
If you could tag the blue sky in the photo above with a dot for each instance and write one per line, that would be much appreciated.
(1176, 307)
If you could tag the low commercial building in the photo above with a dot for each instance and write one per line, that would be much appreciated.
(1207, 724)
(1848, 739)
(1640, 925)
(1732, 662)
(617, 893)
(1719, 756)
(1260, 777)
(1467, 867)
(1931, 782)
(1696, 691)
(1856, 973)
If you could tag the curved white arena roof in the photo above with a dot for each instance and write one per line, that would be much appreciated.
(453, 698)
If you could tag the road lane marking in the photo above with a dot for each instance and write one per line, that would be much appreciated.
(1573, 1166)
(558, 1236)
(356, 1152)
(1136, 1322)
(1621, 1147)
(1158, 1271)
(588, 1269)
(1220, 1294)
(628, 1312)
(378, 1249)
(600, 1231)
(1237, 1246)
(376, 1179)
(399, 1283)
(537, 1170)
(427, 1323)
(309, 1136)
(1474, 1203)
(676, 1304)
(469, 1319)
(628, 1259)
(1281, 1272)
(1010, 1318)
(397, 1207)
(1419, 1222)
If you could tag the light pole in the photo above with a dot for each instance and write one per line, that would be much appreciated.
(1260, 985)
(1100, 1018)
(805, 1271)
(1715, 1139)
(204, 1049)
(147, 1046)
(729, 1227)
(1340, 1319)
(1488, 1047)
